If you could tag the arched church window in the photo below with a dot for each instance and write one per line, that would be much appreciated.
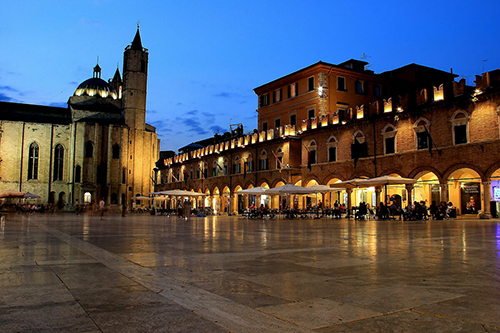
(89, 149)
(33, 161)
(58, 162)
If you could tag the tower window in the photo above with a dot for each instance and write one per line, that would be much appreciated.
(89, 149)
(78, 174)
(116, 151)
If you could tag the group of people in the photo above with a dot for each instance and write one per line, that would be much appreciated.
(415, 211)
(442, 211)
(184, 209)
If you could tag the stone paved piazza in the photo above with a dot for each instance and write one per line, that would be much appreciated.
(141, 273)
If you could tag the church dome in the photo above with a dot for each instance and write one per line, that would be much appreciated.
(95, 87)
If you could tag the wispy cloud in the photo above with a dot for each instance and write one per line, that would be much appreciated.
(4, 94)
(217, 128)
(225, 94)
(5, 98)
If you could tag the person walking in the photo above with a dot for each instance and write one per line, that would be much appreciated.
(102, 204)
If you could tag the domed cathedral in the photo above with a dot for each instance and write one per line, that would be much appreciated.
(98, 147)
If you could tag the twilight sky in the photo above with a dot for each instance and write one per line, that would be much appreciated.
(207, 56)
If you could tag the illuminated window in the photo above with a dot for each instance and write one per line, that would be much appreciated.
(293, 90)
(277, 95)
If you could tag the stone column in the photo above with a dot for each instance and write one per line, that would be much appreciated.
(349, 201)
(409, 189)
(444, 192)
(486, 198)
(378, 189)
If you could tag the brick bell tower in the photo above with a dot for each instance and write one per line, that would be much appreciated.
(140, 139)
(135, 77)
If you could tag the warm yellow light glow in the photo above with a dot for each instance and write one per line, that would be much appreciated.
(388, 105)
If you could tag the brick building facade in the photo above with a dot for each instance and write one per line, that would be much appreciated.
(328, 123)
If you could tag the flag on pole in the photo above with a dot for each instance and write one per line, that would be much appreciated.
(173, 176)
(430, 142)
(309, 164)
(244, 168)
(278, 162)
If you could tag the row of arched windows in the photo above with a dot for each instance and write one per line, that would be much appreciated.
(34, 157)
(58, 162)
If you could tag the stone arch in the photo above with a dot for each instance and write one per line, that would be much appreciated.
(264, 181)
(249, 184)
(421, 122)
(389, 128)
(359, 135)
(459, 114)
(277, 180)
(391, 171)
(491, 170)
(453, 168)
(417, 172)
(309, 179)
(332, 139)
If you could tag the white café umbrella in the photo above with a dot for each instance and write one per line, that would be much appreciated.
(290, 189)
(141, 197)
(177, 193)
(386, 180)
(11, 194)
(323, 188)
(253, 191)
(351, 183)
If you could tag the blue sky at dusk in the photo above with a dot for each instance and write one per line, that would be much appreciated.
(207, 56)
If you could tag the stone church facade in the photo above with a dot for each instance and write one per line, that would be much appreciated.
(98, 147)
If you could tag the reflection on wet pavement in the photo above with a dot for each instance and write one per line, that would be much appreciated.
(220, 274)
